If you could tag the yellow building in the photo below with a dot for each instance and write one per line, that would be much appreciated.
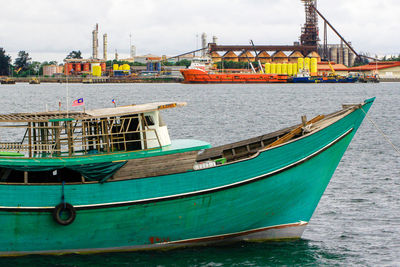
(245, 56)
(264, 57)
(215, 57)
(230, 56)
(294, 56)
(280, 57)
(314, 55)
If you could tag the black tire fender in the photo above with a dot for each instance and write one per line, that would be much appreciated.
(64, 207)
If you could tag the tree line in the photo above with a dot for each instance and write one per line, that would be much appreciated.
(23, 65)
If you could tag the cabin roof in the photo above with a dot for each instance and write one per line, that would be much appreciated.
(376, 66)
(88, 114)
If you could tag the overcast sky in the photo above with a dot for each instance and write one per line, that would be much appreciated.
(50, 29)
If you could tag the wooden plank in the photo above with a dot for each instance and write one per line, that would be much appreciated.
(30, 138)
(156, 166)
(216, 152)
(294, 132)
(142, 122)
(69, 137)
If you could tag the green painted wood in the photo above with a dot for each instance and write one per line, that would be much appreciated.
(286, 197)
(177, 146)
(62, 119)
(11, 154)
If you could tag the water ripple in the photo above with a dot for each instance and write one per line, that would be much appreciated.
(355, 224)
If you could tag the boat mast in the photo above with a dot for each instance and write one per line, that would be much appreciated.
(258, 60)
(248, 59)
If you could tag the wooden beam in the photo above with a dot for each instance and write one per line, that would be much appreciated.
(30, 138)
(69, 138)
(294, 132)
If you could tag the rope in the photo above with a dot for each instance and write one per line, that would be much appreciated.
(381, 132)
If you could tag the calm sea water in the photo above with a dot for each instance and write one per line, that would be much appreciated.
(357, 221)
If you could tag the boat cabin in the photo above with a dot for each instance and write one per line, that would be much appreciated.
(61, 133)
(80, 146)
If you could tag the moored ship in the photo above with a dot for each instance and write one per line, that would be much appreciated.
(112, 180)
(199, 72)
(303, 76)
(202, 76)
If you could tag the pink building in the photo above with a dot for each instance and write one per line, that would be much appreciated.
(50, 70)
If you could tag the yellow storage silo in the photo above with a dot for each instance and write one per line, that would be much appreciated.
(96, 71)
(267, 68)
(314, 66)
(115, 67)
(273, 68)
(279, 68)
(307, 61)
(300, 63)
(295, 68)
(126, 67)
(290, 69)
(285, 68)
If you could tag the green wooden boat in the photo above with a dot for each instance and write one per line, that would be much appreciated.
(112, 180)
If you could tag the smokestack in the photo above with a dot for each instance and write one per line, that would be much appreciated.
(203, 43)
(105, 46)
(215, 39)
(133, 51)
(95, 41)
(116, 54)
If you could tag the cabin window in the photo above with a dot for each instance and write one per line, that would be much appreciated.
(55, 176)
(132, 137)
(40, 177)
(11, 176)
(149, 120)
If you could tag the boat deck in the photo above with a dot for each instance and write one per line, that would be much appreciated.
(177, 146)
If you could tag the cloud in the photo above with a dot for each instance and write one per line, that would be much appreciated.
(45, 28)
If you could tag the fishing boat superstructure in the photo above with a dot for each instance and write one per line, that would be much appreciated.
(112, 180)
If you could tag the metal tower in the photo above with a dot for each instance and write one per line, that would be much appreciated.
(95, 41)
(309, 31)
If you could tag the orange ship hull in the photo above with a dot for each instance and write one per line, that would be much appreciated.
(200, 76)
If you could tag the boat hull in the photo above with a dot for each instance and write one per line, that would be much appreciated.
(271, 196)
(323, 80)
(200, 76)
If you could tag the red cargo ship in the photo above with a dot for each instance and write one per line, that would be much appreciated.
(202, 76)
(197, 73)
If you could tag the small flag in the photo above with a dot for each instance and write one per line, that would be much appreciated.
(113, 101)
(78, 102)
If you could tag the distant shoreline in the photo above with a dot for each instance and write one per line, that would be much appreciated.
(91, 80)
(99, 79)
